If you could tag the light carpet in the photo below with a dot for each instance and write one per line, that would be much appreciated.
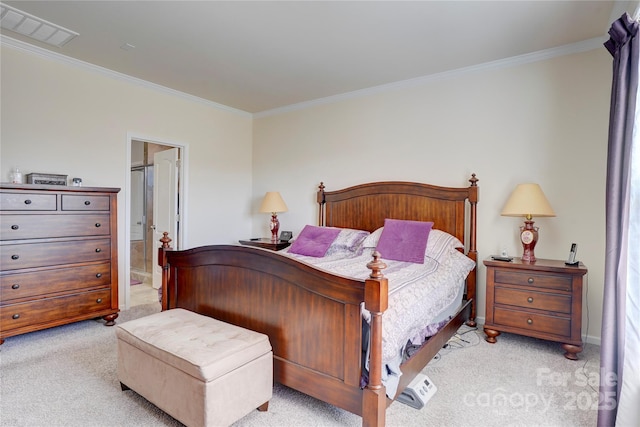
(66, 376)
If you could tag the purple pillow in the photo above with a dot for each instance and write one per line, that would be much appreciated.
(404, 240)
(314, 241)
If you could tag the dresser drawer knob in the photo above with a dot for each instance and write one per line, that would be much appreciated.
(15, 227)
(15, 286)
(529, 299)
(530, 280)
(15, 316)
(98, 250)
(14, 257)
(98, 224)
(99, 275)
(87, 202)
(530, 321)
(99, 300)
(27, 202)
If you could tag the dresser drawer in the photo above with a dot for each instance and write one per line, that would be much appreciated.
(51, 309)
(548, 281)
(73, 202)
(28, 202)
(15, 227)
(533, 321)
(27, 255)
(533, 299)
(44, 282)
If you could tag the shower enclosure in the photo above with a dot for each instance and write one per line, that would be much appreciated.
(141, 217)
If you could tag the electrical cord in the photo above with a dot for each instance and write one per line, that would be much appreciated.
(586, 333)
(465, 337)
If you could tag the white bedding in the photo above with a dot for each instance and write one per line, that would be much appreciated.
(420, 295)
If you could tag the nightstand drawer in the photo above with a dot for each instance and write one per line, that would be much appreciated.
(533, 321)
(536, 279)
(532, 299)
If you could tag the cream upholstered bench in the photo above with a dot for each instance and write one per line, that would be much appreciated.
(199, 370)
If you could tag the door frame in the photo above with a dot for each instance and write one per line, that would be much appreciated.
(179, 241)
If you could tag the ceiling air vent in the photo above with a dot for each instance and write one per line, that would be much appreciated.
(31, 26)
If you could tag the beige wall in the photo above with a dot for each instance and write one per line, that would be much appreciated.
(543, 122)
(62, 118)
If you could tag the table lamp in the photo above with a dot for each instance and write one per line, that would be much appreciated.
(528, 200)
(273, 203)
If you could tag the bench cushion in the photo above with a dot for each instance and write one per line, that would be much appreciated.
(200, 346)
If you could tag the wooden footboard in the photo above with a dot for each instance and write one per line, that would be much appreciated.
(312, 318)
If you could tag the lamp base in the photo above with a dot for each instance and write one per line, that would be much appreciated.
(274, 226)
(529, 238)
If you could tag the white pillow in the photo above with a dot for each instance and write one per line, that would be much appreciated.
(441, 244)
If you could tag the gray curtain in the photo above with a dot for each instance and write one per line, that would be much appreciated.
(624, 47)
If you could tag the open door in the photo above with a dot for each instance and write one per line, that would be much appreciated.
(165, 204)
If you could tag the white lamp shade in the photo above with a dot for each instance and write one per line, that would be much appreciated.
(528, 200)
(273, 203)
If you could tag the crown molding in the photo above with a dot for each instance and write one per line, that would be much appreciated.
(542, 55)
(29, 48)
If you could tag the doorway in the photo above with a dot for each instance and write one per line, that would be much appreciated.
(144, 213)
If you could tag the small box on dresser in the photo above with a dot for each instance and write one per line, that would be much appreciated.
(58, 256)
(541, 300)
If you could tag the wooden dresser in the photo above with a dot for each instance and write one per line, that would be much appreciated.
(541, 300)
(58, 256)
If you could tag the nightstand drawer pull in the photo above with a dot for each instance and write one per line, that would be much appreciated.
(529, 299)
(15, 316)
(98, 224)
(87, 202)
(27, 202)
(530, 280)
(15, 286)
(98, 250)
(99, 275)
(15, 257)
(15, 227)
(99, 300)
(530, 321)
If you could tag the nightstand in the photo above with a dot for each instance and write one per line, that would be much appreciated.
(266, 243)
(540, 300)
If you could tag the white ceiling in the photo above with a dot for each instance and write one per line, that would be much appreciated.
(257, 56)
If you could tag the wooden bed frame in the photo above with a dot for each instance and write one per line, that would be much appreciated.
(312, 317)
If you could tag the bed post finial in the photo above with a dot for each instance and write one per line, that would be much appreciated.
(473, 180)
(376, 266)
(321, 204)
(165, 240)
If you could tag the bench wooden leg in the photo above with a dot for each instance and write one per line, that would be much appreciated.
(264, 407)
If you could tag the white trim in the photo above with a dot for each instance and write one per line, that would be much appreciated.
(541, 55)
(26, 47)
(181, 241)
